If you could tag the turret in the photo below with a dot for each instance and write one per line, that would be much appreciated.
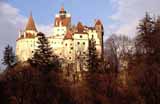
(100, 31)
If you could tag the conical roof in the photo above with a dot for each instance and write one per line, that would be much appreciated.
(62, 10)
(98, 22)
(31, 25)
(80, 27)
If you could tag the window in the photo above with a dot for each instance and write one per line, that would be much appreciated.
(80, 36)
(71, 48)
(66, 44)
(83, 43)
(70, 58)
(78, 43)
(92, 35)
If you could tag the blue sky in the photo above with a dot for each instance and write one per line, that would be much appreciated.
(118, 16)
(81, 10)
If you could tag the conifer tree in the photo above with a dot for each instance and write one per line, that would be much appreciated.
(147, 59)
(43, 56)
(9, 57)
(145, 33)
(92, 56)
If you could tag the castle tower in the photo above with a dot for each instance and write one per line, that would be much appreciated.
(100, 31)
(26, 43)
(62, 22)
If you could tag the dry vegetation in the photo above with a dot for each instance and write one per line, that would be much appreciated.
(137, 83)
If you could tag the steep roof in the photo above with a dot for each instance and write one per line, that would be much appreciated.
(98, 22)
(68, 35)
(80, 27)
(64, 21)
(31, 24)
(62, 10)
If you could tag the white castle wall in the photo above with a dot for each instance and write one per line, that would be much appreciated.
(69, 49)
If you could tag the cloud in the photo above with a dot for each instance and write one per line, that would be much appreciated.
(129, 12)
(46, 29)
(11, 21)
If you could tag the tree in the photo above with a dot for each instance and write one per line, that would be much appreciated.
(145, 33)
(43, 56)
(93, 60)
(9, 57)
(144, 66)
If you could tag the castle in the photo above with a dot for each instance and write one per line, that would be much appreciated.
(69, 42)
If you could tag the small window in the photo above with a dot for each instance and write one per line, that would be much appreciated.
(70, 58)
(80, 36)
(71, 48)
(84, 52)
(83, 43)
(66, 44)
(78, 43)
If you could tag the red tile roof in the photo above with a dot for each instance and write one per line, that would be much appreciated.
(80, 27)
(68, 35)
(64, 21)
(98, 22)
(31, 25)
(62, 10)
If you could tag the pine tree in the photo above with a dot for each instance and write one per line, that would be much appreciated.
(9, 57)
(43, 56)
(145, 33)
(92, 56)
(147, 62)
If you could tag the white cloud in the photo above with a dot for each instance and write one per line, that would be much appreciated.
(46, 29)
(129, 12)
(11, 21)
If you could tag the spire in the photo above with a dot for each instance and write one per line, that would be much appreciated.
(31, 25)
(80, 27)
(98, 22)
(62, 10)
